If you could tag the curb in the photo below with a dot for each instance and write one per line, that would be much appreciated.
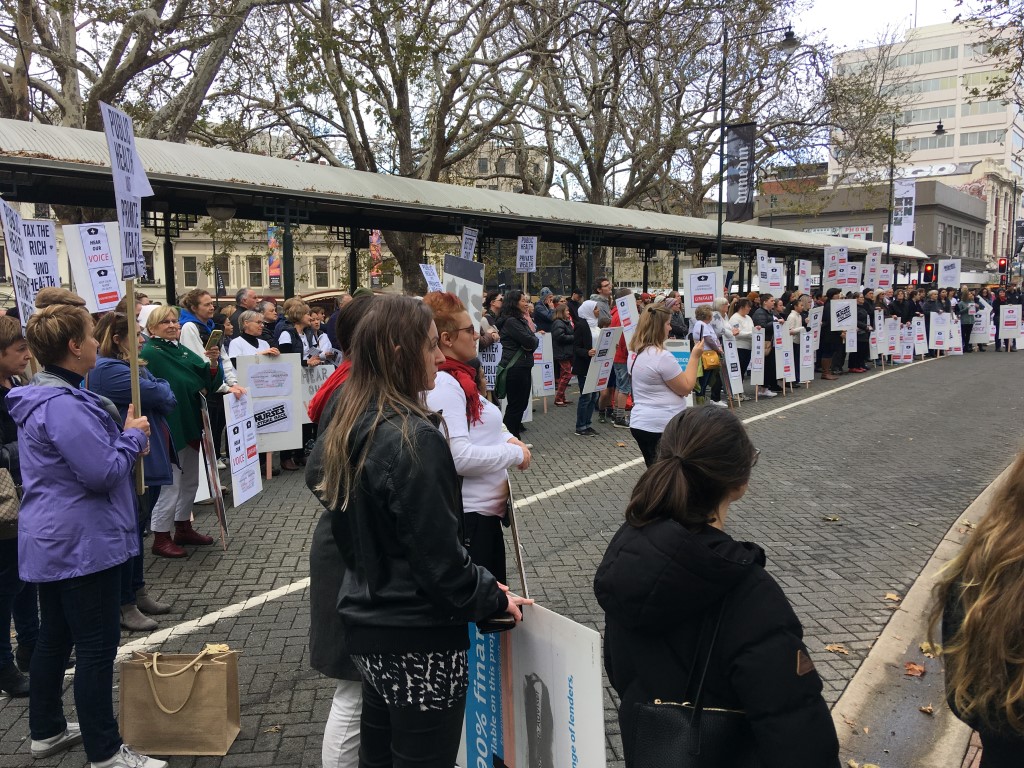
(875, 693)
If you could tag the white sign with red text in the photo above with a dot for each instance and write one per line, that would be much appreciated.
(703, 286)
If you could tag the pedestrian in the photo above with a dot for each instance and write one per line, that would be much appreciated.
(978, 599)
(620, 372)
(544, 310)
(77, 528)
(831, 342)
(561, 345)
(764, 319)
(672, 577)
(660, 386)
(744, 324)
(250, 342)
(409, 590)
(297, 336)
(583, 352)
(710, 385)
(492, 305)
(518, 341)
(245, 301)
(966, 308)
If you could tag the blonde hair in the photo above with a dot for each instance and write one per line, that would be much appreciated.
(703, 313)
(52, 328)
(983, 658)
(650, 331)
(160, 314)
(294, 312)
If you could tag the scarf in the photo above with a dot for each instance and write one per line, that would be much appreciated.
(465, 374)
(252, 341)
(335, 380)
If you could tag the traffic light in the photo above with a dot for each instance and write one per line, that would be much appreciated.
(929, 273)
(1002, 266)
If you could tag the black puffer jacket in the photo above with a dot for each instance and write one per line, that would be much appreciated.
(516, 335)
(656, 585)
(409, 584)
(561, 339)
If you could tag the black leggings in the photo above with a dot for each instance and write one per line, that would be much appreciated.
(648, 442)
(408, 737)
(518, 385)
(483, 539)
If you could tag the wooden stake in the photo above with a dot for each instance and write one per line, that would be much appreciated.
(133, 363)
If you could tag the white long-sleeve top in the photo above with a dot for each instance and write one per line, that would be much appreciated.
(746, 326)
(482, 452)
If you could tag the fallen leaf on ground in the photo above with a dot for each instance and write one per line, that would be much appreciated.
(837, 648)
(893, 596)
(913, 670)
(830, 518)
(866, 729)
(272, 729)
(931, 650)
(914, 524)
(852, 764)
(620, 445)
(928, 709)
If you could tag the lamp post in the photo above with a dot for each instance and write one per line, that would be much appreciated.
(789, 42)
(892, 189)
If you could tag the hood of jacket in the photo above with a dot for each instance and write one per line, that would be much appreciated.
(187, 317)
(662, 574)
(43, 387)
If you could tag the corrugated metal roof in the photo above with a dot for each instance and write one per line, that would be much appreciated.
(31, 148)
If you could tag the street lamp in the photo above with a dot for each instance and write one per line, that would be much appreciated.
(790, 42)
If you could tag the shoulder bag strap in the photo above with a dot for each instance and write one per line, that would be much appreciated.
(698, 697)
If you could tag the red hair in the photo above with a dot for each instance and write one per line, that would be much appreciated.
(446, 307)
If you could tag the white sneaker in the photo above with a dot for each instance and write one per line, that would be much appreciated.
(719, 403)
(768, 393)
(46, 747)
(128, 758)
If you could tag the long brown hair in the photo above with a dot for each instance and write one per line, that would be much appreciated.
(111, 325)
(984, 663)
(650, 331)
(704, 455)
(388, 378)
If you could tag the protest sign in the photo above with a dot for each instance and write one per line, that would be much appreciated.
(806, 356)
(956, 343)
(629, 316)
(490, 356)
(920, 340)
(14, 236)
(543, 367)
(906, 344)
(601, 363)
(41, 254)
(703, 286)
(466, 280)
(938, 330)
(275, 386)
(844, 314)
(783, 354)
(892, 336)
(762, 266)
(130, 185)
(1009, 322)
(803, 276)
(93, 264)
(526, 254)
(885, 276)
(979, 330)
(243, 452)
(851, 342)
(430, 275)
(313, 377)
(814, 317)
(757, 357)
(872, 262)
(949, 273)
(834, 256)
(732, 365)
(208, 469)
(535, 696)
(469, 238)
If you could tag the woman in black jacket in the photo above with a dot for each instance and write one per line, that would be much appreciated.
(865, 322)
(671, 569)
(409, 589)
(561, 344)
(518, 340)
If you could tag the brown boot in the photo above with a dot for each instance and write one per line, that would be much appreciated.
(826, 372)
(148, 605)
(184, 533)
(164, 547)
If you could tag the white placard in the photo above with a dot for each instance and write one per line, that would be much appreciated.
(465, 279)
(949, 273)
(885, 276)
(762, 266)
(93, 264)
(489, 359)
(469, 237)
(430, 275)
(806, 356)
(526, 254)
(956, 342)
(783, 354)
(979, 331)
(872, 262)
(14, 236)
(732, 364)
(906, 344)
(543, 367)
(892, 335)
(313, 377)
(851, 341)
(938, 330)
(703, 286)
(279, 417)
(776, 279)
(803, 276)
(601, 363)
(814, 317)
(844, 314)
(243, 452)
(853, 274)
(1009, 322)
(130, 185)
(629, 315)
(41, 254)
(834, 256)
(757, 357)
(920, 339)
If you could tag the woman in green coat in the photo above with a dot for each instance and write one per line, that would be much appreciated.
(189, 376)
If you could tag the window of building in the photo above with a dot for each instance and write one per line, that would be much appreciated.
(321, 272)
(940, 240)
(150, 277)
(926, 57)
(925, 142)
(536, 169)
(483, 165)
(500, 167)
(982, 137)
(189, 271)
(957, 237)
(928, 85)
(979, 79)
(255, 269)
(929, 115)
(41, 210)
(1018, 141)
(982, 108)
(977, 50)
(492, 186)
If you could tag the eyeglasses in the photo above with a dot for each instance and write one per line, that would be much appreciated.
(171, 321)
(467, 329)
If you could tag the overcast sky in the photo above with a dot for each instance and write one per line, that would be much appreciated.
(859, 23)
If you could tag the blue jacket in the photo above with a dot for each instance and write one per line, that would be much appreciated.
(112, 378)
(78, 513)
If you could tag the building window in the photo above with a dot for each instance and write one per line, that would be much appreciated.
(925, 142)
(926, 57)
(941, 239)
(957, 236)
(150, 277)
(255, 269)
(977, 50)
(927, 86)
(321, 272)
(41, 210)
(982, 137)
(929, 115)
(483, 165)
(500, 166)
(1018, 141)
(979, 79)
(982, 108)
(189, 271)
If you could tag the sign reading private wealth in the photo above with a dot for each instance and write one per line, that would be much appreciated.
(702, 286)
(526, 254)
(130, 185)
(14, 234)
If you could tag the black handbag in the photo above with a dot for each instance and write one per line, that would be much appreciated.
(668, 734)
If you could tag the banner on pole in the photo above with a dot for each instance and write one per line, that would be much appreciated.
(904, 198)
(739, 171)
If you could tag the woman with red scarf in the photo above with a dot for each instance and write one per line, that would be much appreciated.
(482, 449)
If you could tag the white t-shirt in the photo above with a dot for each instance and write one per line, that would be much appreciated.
(654, 404)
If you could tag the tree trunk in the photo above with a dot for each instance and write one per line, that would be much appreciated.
(407, 248)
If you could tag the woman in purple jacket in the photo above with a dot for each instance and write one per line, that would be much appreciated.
(77, 527)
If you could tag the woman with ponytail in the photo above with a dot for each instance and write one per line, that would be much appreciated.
(980, 601)
(671, 568)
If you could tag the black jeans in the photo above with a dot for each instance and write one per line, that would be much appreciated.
(518, 387)
(648, 442)
(83, 612)
(483, 539)
(17, 601)
(408, 737)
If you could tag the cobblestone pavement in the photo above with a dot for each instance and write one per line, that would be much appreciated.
(895, 457)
